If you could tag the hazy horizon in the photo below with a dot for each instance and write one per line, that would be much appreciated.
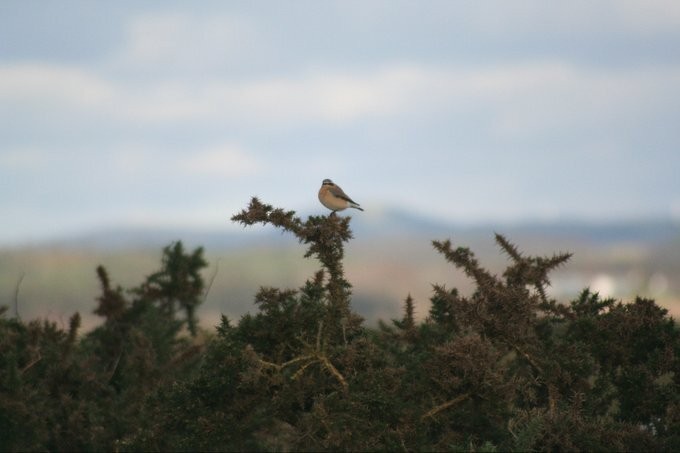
(379, 222)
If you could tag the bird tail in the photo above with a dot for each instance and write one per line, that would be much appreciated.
(356, 206)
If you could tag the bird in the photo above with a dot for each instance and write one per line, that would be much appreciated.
(334, 198)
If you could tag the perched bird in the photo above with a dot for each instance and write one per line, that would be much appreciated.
(333, 197)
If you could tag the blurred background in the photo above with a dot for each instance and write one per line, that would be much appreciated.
(126, 125)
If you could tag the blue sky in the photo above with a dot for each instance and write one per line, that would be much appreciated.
(175, 113)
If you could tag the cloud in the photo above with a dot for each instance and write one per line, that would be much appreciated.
(137, 162)
(42, 84)
(546, 20)
(521, 99)
(675, 209)
(23, 159)
(178, 41)
(333, 97)
(650, 16)
(225, 160)
(549, 97)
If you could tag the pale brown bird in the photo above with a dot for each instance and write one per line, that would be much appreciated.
(333, 197)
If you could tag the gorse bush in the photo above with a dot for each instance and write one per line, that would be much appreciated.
(61, 393)
(504, 368)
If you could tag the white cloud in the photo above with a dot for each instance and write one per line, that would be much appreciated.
(538, 98)
(326, 96)
(524, 98)
(225, 160)
(537, 19)
(675, 209)
(650, 16)
(182, 41)
(20, 159)
(48, 84)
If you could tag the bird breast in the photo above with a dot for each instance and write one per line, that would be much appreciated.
(331, 201)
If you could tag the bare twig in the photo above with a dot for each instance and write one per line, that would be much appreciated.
(302, 369)
(318, 336)
(552, 399)
(31, 363)
(434, 411)
(317, 356)
(334, 371)
(16, 295)
(285, 364)
(115, 366)
(511, 424)
(343, 324)
(528, 358)
(212, 279)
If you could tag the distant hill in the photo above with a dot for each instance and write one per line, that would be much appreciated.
(390, 257)
(385, 224)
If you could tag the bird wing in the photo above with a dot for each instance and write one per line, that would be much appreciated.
(338, 192)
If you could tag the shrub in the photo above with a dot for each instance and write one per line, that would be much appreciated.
(504, 368)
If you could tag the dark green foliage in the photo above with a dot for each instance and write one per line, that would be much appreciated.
(112, 303)
(178, 284)
(61, 392)
(505, 368)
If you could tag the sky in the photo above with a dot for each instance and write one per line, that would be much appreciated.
(173, 114)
